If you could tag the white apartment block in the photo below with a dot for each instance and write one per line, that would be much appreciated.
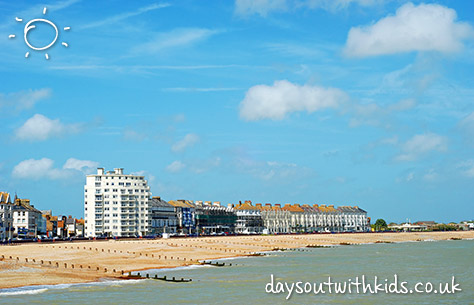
(116, 204)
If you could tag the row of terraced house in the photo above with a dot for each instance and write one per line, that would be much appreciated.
(118, 204)
(19, 219)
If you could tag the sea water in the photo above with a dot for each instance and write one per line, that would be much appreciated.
(247, 280)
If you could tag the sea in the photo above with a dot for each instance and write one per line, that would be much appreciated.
(291, 277)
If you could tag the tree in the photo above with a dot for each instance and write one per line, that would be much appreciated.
(380, 224)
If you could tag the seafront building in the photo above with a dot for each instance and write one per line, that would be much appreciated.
(28, 221)
(6, 216)
(353, 219)
(184, 210)
(275, 219)
(162, 217)
(212, 218)
(249, 218)
(116, 204)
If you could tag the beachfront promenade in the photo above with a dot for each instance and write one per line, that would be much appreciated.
(84, 261)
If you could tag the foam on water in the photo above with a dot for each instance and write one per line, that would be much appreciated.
(43, 288)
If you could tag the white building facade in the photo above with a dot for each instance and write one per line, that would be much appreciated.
(116, 204)
(6, 216)
(28, 221)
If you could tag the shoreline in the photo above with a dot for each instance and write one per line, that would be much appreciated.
(34, 265)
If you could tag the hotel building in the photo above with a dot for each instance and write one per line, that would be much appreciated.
(116, 204)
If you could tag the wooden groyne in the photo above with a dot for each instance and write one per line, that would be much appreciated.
(156, 277)
(216, 264)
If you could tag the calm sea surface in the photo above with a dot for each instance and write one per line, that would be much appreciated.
(245, 281)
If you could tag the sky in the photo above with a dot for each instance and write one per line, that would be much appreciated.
(344, 102)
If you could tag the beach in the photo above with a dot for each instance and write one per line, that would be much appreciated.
(89, 261)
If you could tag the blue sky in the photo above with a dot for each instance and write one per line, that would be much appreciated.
(345, 102)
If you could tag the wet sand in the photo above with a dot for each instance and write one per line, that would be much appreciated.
(88, 261)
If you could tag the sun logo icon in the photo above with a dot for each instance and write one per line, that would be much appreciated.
(30, 25)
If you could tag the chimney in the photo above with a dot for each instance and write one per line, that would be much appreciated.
(230, 205)
(268, 204)
(100, 171)
(278, 205)
(258, 205)
(118, 171)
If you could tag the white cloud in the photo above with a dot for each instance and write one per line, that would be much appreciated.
(467, 168)
(426, 27)
(132, 135)
(420, 145)
(389, 141)
(270, 170)
(120, 17)
(44, 168)
(189, 140)
(335, 5)
(175, 166)
(150, 177)
(261, 7)
(33, 169)
(40, 128)
(175, 38)
(85, 166)
(375, 115)
(275, 102)
(431, 175)
(467, 126)
(23, 100)
(211, 89)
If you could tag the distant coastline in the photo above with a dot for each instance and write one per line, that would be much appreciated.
(82, 262)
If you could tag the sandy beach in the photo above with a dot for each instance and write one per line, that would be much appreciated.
(87, 261)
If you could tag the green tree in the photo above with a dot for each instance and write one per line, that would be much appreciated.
(380, 224)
